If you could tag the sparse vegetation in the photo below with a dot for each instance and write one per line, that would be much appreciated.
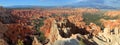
(65, 15)
(38, 23)
(81, 42)
(20, 42)
(95, 18)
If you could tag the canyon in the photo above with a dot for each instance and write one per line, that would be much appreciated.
(59, 26)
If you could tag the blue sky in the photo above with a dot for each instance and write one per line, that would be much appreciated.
(37, 2)
(114, 3)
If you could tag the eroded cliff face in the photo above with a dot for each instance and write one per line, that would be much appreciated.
(77, 20)
(70, 29)
(74, 28)
(110, 34)
(58, 34)
(46, 28)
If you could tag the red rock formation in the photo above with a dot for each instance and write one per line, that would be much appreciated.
(77, 20)
(3, 29)
(29, 13)
(36, 13)
(111, 26)
(47, 26)
(110, 23)
(18, 31)
(110, 33)
(94, 29)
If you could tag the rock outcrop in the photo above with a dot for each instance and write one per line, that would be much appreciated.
(18, 31)
(26, 14)
(5, 16)
(36, 42)
(65, 29)
(3, 29)
(56, 37)
(112, 13)
(46, 28)
(77, 20)
(77, 24)
(3, 42)
(94, 29)
(110, 34)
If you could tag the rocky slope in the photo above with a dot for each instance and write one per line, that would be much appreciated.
(61, 27)
(110, 34)
(73, 28)
(69, 29)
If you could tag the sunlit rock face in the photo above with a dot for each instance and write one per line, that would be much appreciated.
(28, 14)
(36, 42)
(57, 35)
(111, 26)
(110, 34)
(112, 13)
(94, 29)
(64, 29)
(32, 13)
(46, 28)
(77, 24)
(77, 20)
(3, 42)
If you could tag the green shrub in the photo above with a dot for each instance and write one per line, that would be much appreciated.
(94, 18)
(37, 24)
(81, 42)
(20, 42)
